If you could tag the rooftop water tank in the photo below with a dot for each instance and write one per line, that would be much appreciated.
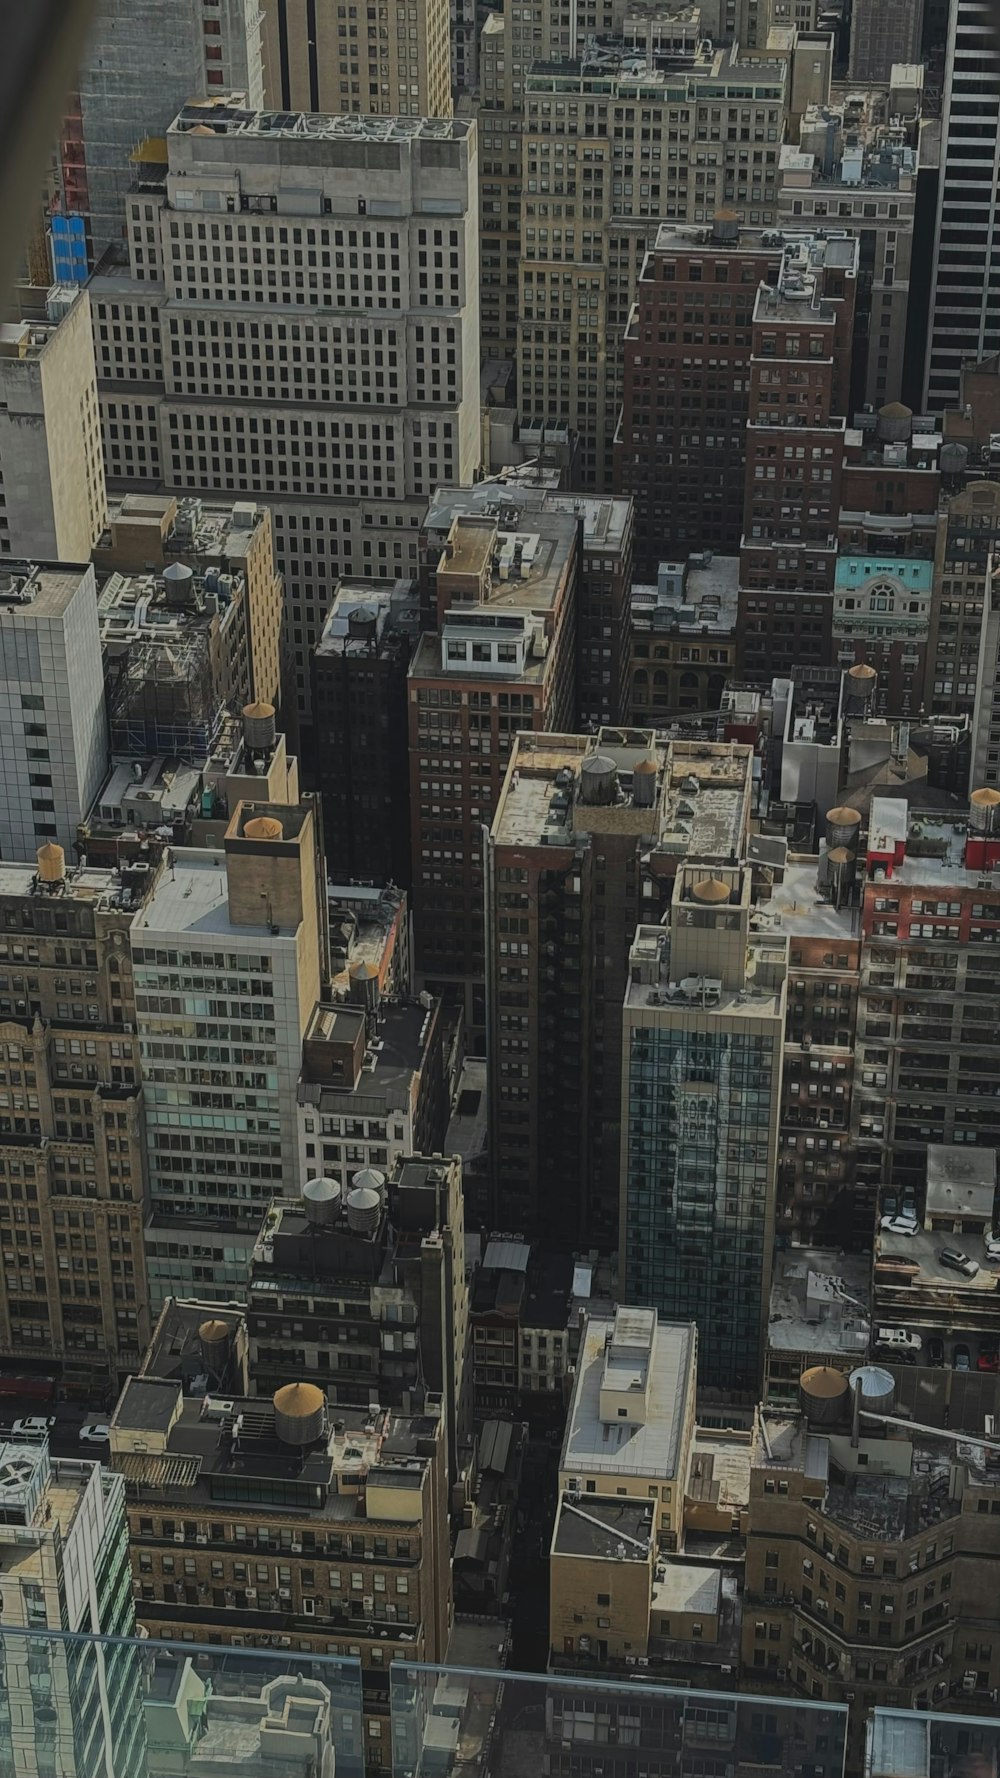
(178, 580)
(711, 891)
(259, 729)
(321, 1201)
(51, 864)
(823, 1395)
(984, 811)
(214, 1338)
(644, 783)
(843, 825)
(598, 780)
(364, 1209)
(878, 1387)
(299, 1413)
(262, 827)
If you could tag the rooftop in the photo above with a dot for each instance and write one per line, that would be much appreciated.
(922, 1249)
(651, 984)
(505, 497)
(166, 528)
(796, 905)
(212, 1446)
(395, 1053)
(720, 1469)
(820, 1303)
(611, 1530)
(192, 897)
(689, 1587)
(651, 1447)
(701, 594)
(30, 591)
(961, 1181)
(365, 617)
(226, 116)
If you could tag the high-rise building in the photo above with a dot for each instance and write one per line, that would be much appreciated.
(395, 60)
(910, 1512)
(926, 1034)
(340, 379)
(382, 1266)
(962, 625)
(680, 443)
(965, 293)
(799, 389)
(234, 936)
(501, 589)
(51, 472)
(53, 725)
(138, 69)
(64, 1567)
(865, 186)
(73, 1294)
(702, 1056)
(359, 735)
(587, 836)
(883, 32)
(592, 203)
(326, 1526)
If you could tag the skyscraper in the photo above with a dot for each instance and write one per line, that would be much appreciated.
(53, 726)
(701, 1084)
(243, 925)
(54, 506)
(141, 65)
(965, 282)
(393, 58)
(327, 361)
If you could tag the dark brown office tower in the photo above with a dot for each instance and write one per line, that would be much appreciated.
(501, 657)
(359, 729)
(681, 439)
(795, 441)
(588, 835)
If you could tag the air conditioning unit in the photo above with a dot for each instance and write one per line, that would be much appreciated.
(201, 1538)
(284, 1593)
(296, 1549)
(251, 1592)
(178, 1537)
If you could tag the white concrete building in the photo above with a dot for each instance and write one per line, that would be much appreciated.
(53, 731)
(306, 294)
(226, 954)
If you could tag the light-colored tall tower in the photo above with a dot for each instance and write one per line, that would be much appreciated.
(246, 927)
(322, 354)
(54, 505)
(141, 65)
(592, 201)
(701, 1084)
(389, 59)
(53, 726)
(965, 282)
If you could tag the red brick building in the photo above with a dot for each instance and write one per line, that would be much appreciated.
(795, 445)
(681, 437)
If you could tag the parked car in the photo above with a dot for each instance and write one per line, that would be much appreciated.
(898, 1337)
(935, 1350)
(96, 1432)
(35, 1426)
(900, 1225)
(961, 1359)
(890, 1203)
(988, 1360)
(957, 1261)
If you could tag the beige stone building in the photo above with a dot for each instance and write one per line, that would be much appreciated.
(872, 1554)
(72, 1164)
(54, 506)
(331, 371)
(393, 57)
(631, 1418)
(277, 1524)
